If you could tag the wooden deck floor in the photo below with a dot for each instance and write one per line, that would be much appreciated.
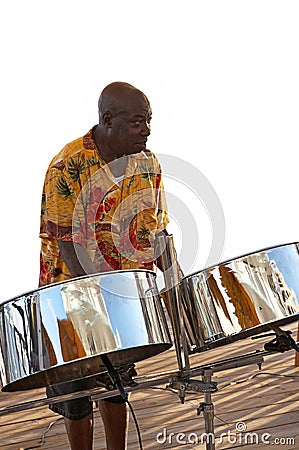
(253, 408)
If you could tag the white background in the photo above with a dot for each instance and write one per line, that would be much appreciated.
(222, 78)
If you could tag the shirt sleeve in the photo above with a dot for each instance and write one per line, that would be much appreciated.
(59, 197)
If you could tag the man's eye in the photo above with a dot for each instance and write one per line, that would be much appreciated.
(136, 123)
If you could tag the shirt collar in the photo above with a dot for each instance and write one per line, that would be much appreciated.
(88, 141)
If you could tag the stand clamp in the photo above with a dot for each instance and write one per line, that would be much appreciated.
(183, 385)
(204, 407)
(207, 386)
(282, 342)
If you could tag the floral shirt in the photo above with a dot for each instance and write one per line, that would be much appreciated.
(82, 202)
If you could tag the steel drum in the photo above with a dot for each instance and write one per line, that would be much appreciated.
(57, 333)
(241, 297)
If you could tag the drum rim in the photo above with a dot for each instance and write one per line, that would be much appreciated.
(257, 330)
(82, 277)
(227, 261)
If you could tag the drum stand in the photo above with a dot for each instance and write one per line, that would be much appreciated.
(183, 382)
(206, 386)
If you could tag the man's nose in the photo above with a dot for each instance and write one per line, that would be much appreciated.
(146, 129)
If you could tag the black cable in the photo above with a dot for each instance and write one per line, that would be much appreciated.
(43, 436)
(251, 377)
(116, 380)
(136, 424)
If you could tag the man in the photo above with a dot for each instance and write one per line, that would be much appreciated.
(102, 208)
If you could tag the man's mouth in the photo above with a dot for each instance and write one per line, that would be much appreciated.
(142, 143)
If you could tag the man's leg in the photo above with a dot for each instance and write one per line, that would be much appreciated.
(80, 432)
(78, 417)
(115, 419)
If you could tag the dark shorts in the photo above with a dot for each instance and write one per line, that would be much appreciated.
(81, 407)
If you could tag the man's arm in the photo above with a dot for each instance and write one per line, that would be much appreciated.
(76, 259)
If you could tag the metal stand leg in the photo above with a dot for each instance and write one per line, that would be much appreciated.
(183, 385)
(184, 382)
(206, 386)
(207, 408)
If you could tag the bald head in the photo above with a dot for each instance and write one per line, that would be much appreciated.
(116, 96)
(124, 121)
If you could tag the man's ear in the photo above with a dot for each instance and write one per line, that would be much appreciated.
(107, 119)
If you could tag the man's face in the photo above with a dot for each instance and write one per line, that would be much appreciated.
(130, 127)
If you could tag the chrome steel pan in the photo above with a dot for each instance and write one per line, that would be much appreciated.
(57, 333)
(242, 297)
